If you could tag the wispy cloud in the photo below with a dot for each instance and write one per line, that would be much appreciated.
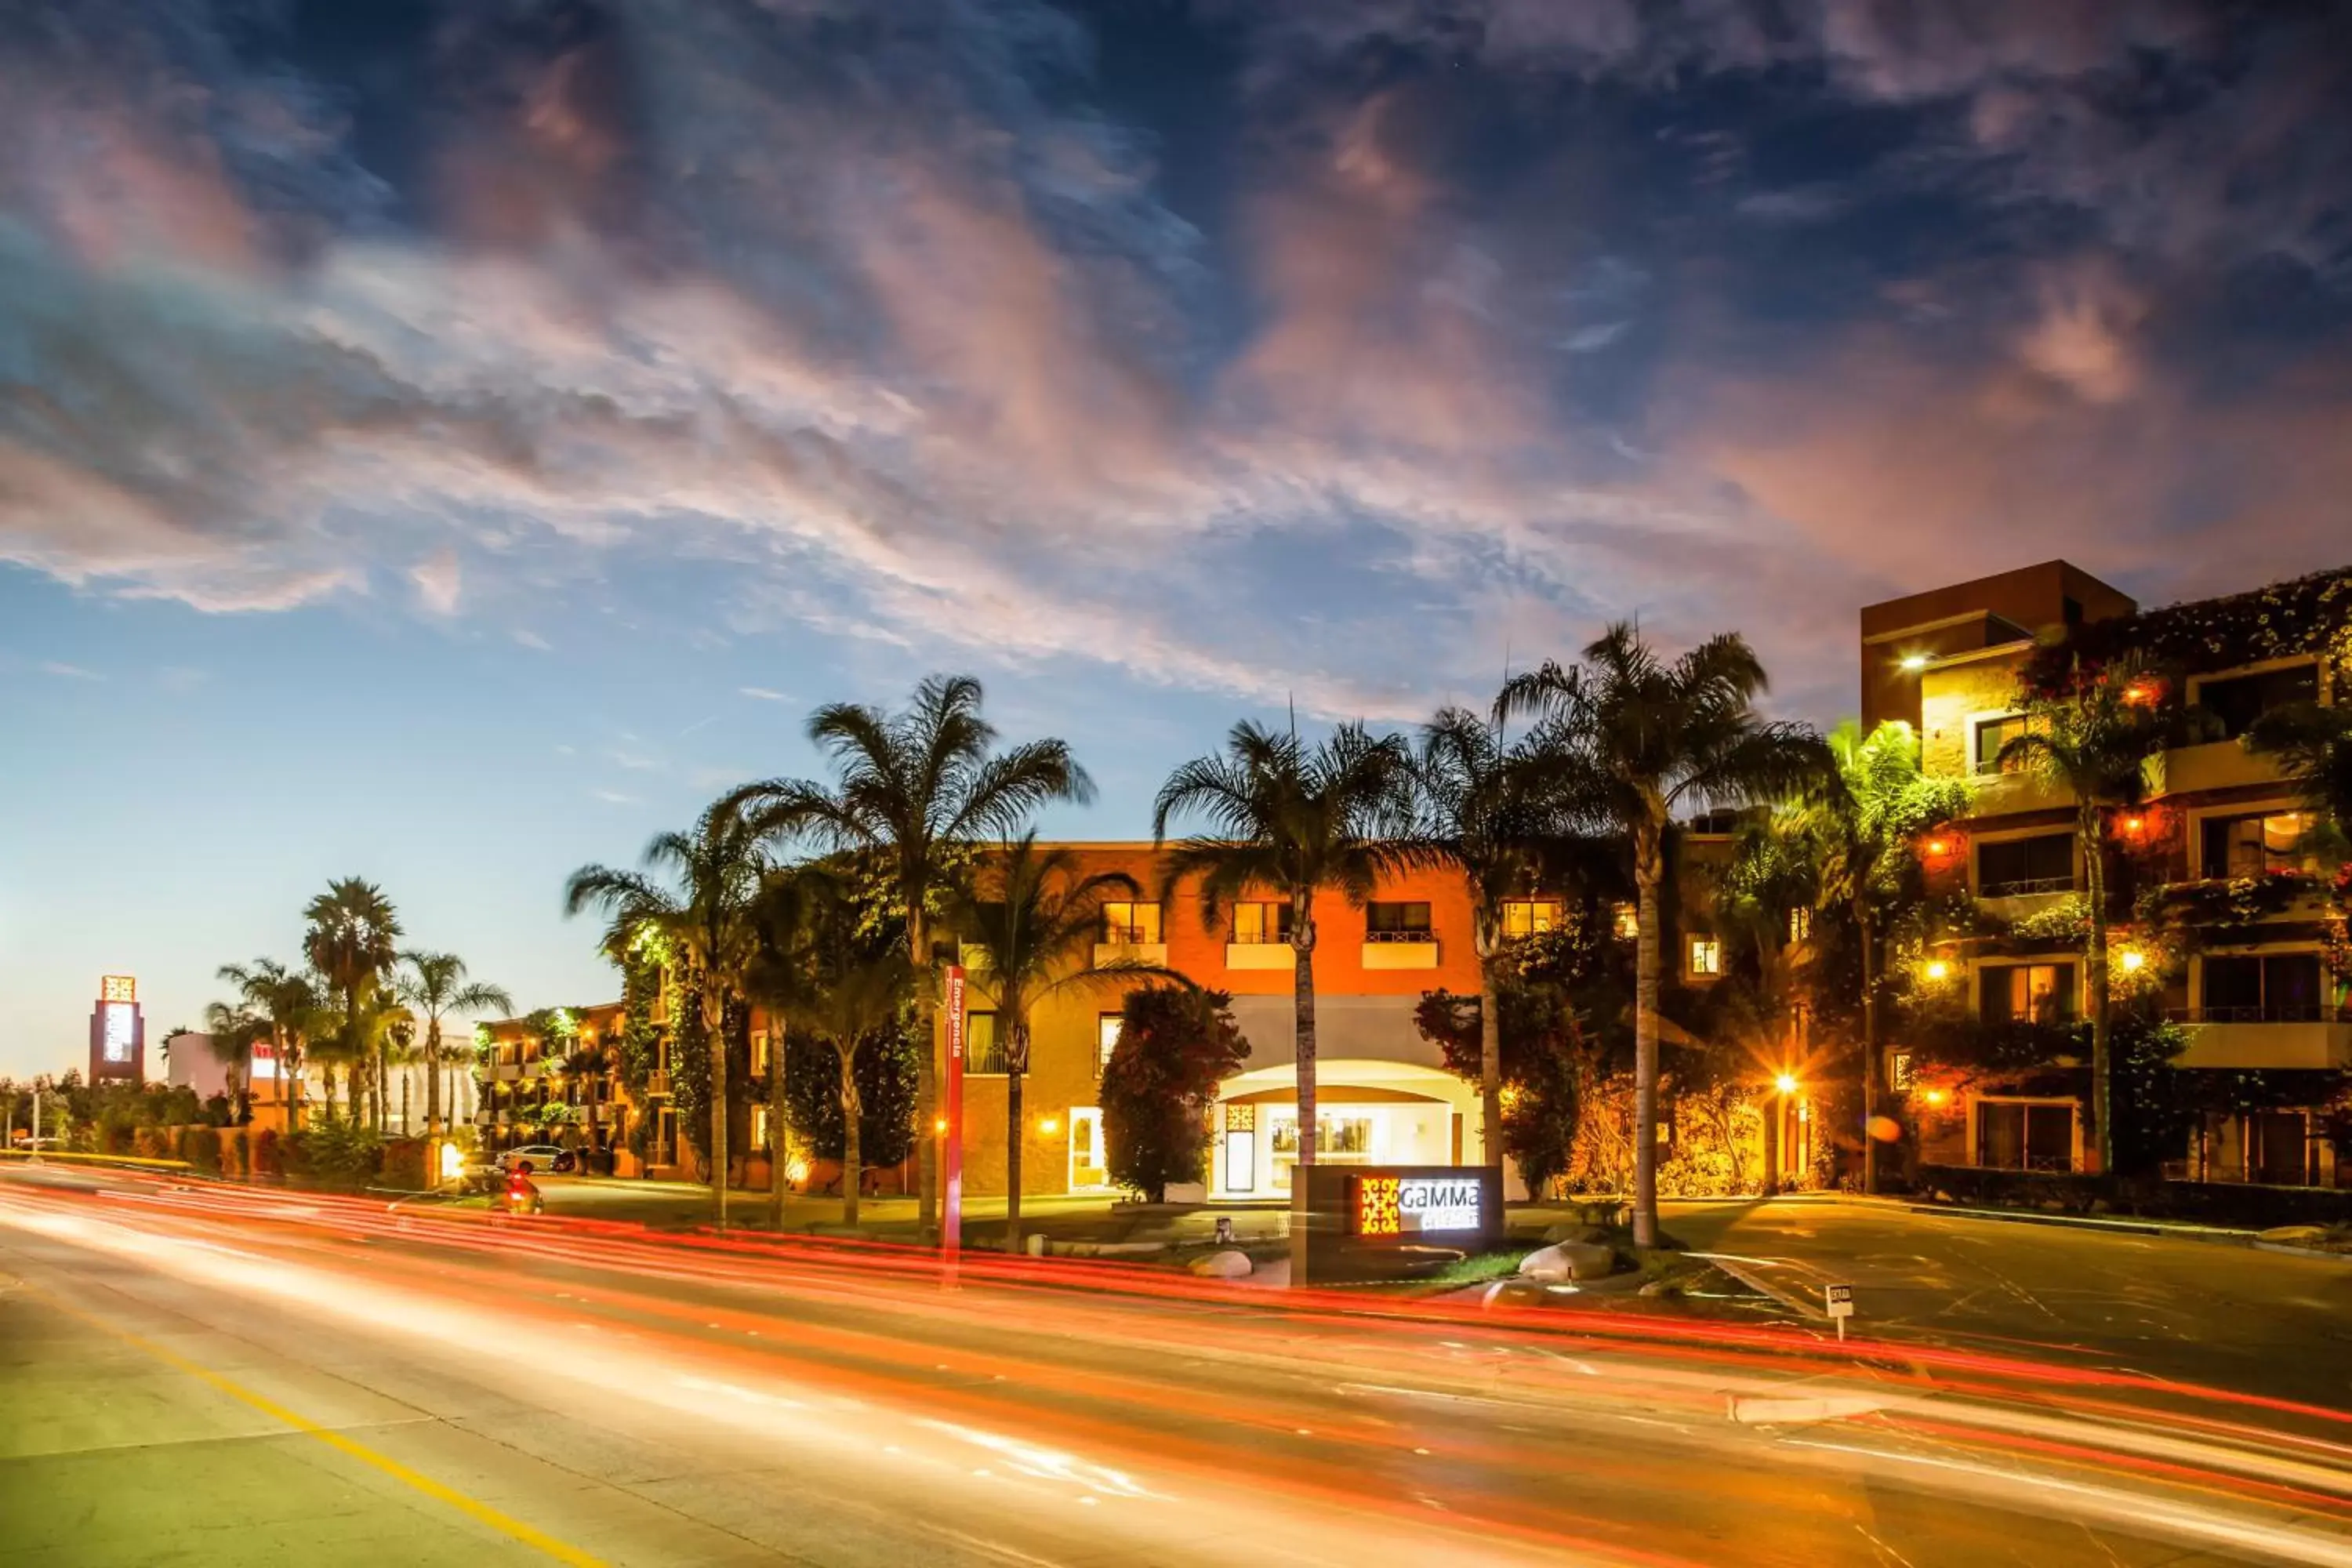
(614, 797)
(762, 694)
(68, 671)
(531, 639)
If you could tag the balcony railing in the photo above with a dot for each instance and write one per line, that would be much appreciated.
(2263, 1012)
(657, 1081)
(2025, 887)
(1423, 935)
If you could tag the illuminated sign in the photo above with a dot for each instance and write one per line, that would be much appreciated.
(1415, 1205)
(121, 1027)
(117, 988)
(265, 1061)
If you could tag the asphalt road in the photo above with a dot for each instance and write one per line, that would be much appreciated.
(2199, 1311)
(207, 1375)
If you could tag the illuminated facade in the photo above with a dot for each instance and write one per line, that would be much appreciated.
(2248, 961)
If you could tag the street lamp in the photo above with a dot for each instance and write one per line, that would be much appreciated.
(1786, 1083)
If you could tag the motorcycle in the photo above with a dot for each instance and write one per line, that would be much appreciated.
(522, 1195)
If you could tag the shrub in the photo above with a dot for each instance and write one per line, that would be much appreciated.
(335, 1153)
(237, 1154)
(403, 1164)
(149, 1143)
(1176, 1043)
(267, 1154)
(201, 1147)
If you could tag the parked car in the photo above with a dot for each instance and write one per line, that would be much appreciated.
(538, 1157)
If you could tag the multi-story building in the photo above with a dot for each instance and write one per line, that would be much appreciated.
(525, 1094)
(2221, 909)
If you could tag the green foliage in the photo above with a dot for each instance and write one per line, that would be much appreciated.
(885, 1067)
(639, 1050)
(333, 1152)
(1176, 1045)
(201, 1148)
(2306, 614)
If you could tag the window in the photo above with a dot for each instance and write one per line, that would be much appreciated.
(2015, 1136)
(758, 1050)
(1107, 1028)
(2007, 867)
(1257, 924)
(1629, 923)
(2264, 988)
(984, 1053)
(2252, 844)
(1801, 923)
(1130, 922)
(1397, 923)
(1705, 955)
(2235, 703)
(2026, 992)
(1992, 734)
(1529, 916)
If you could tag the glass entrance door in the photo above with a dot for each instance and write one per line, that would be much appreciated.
(1087, 1170)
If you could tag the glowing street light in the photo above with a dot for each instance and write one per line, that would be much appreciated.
(1786, 1083)
(2132, 959)
(1939, 970)
(1915, 662)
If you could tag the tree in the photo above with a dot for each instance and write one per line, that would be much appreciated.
(916, 788)
(352, 942)
(1488, 808)
(1176, 1045)
(2092, 737)
(587, 1067)
(703, 913)
(230, 1031)
(286, 1004)
(1038, 931)
(435, 984)
(1653, 739)
(1300, 820)
(1874, 806)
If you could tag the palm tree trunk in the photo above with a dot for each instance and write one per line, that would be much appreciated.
(1490, 1049)
(1649, 871)
(432, 1079)
(1302, 993)
(1869, 936)
(852, 1155)
(776, 1138)
(2095, 974)
(714, 1021)
(1016, 1067)
(927, 1074)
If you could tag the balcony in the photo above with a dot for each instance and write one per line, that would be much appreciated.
(1399, 950)
(2276, 1037)
(1261, 955)
(2217, 764)
(658, 1083)
(2002, 793)
(507, 1072)
(1151, 952)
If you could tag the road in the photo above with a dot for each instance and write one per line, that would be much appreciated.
(204, 1375)
(2199, 1311)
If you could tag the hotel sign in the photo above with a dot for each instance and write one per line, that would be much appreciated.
(1384, 1205)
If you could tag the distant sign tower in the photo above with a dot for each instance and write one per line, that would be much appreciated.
(118, 1034)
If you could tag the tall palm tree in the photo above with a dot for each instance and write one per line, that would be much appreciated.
(1655, 739)
(703, 913)
(286, 1003)
(1875, 804)
(434, 984)
(230, 1030)
(2093, 740)
(1287, 818)
(917, 789)
(352, 942)
(1038, 931)
(1490, 809)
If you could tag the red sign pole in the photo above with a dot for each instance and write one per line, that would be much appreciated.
(951, 1116)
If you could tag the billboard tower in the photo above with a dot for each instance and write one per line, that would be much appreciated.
(118, 1034)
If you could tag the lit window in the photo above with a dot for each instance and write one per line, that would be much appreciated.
(1107, 1040)
(2026, 992)
(1629, 921)
(1529, 916)
(1801, 923)
(1705, 955)
(1261, 923)
(758, 1050)
(1130, 922)
(983, 1052)
(2257, 844)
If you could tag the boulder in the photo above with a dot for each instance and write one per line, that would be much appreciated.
(1229, 1264)
(1567, 1261)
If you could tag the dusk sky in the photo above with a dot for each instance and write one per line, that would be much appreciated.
(445, 444)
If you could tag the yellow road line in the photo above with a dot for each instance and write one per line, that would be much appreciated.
(480, 1513)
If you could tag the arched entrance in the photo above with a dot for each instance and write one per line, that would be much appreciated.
(1369, 1112)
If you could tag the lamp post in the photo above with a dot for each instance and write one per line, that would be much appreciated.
(1784, 1087)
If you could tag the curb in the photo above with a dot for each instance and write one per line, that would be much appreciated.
(2128, 1226)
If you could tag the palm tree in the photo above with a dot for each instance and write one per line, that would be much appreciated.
(352, 942)
(1874, 806)
(1287, 818)
(434, 985)
(1038, 933)
(285, 1003)
(916, 790)
(846, 994)
(2093, 738)
(1490, 809)
(230, 1030)
(704, 914)
(1653, 740)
